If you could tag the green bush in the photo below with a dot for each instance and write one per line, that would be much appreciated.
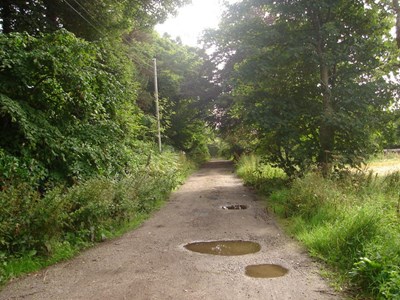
(89, 207)
(34, 226)
(309, 195)
(28, 221)
(66, 106)
(16, 170)
(377, 277)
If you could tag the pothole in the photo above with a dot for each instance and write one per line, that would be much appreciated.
(266, 271)
(226, 248)
(235, 207)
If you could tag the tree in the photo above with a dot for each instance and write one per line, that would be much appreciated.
(66, 105)
(308, 76)
(90, 19)
(396, 9)
(186, 94)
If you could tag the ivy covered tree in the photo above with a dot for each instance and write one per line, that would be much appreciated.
(308, 77)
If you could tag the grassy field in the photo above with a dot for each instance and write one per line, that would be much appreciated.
(385, 164)
(349, 221)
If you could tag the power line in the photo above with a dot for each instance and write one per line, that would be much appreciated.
(136, 58)
(73, 8)
(143, 62)
(88, 12)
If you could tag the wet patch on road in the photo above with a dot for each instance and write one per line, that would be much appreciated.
(266, 271)
(225, 248)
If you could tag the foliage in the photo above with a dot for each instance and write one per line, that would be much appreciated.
(218, 148)
(306, 78)
(77, 162)
(76, 152)
(262, 176)
(61, 105)
(378, 276)
(349, 220)
(185, 96)
(35, 228)
(91, 19)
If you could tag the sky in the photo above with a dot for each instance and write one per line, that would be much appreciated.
(192, 19)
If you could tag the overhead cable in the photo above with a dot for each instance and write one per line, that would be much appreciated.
(135, 57)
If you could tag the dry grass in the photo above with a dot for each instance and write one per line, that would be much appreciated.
(385, 165)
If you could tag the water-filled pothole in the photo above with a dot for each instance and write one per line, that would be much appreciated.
(234, 206)
(266, 271)
(226, 248)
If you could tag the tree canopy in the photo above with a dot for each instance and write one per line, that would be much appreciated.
(303, 82)
(307, 77)
(76, 89)
(91, 19)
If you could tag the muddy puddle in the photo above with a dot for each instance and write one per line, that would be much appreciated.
(226, 248)
(235, 207)
(266, 271)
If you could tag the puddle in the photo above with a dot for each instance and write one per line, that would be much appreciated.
(235, 206)
(266, 271)
(226, 248)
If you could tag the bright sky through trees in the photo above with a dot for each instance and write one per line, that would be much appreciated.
(192, 19)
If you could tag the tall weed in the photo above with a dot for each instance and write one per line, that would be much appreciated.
(256, 173)
(342, 240)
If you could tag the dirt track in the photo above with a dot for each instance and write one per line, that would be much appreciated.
(151, 262)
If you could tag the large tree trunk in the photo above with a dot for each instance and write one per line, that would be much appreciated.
(397, 12)
(326, 131)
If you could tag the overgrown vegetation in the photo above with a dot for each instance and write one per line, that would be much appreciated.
(37, 229)
(77, 123)
(349, 220)
(310, 85)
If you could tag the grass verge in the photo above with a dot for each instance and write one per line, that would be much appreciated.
(39, 230)
(350, 221)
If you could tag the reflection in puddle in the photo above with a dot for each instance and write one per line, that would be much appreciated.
(266, 271)
(235, 206)
(226, 248)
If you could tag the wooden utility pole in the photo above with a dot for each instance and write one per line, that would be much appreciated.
(157, 105)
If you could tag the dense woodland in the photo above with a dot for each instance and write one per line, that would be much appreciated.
(308, 85)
